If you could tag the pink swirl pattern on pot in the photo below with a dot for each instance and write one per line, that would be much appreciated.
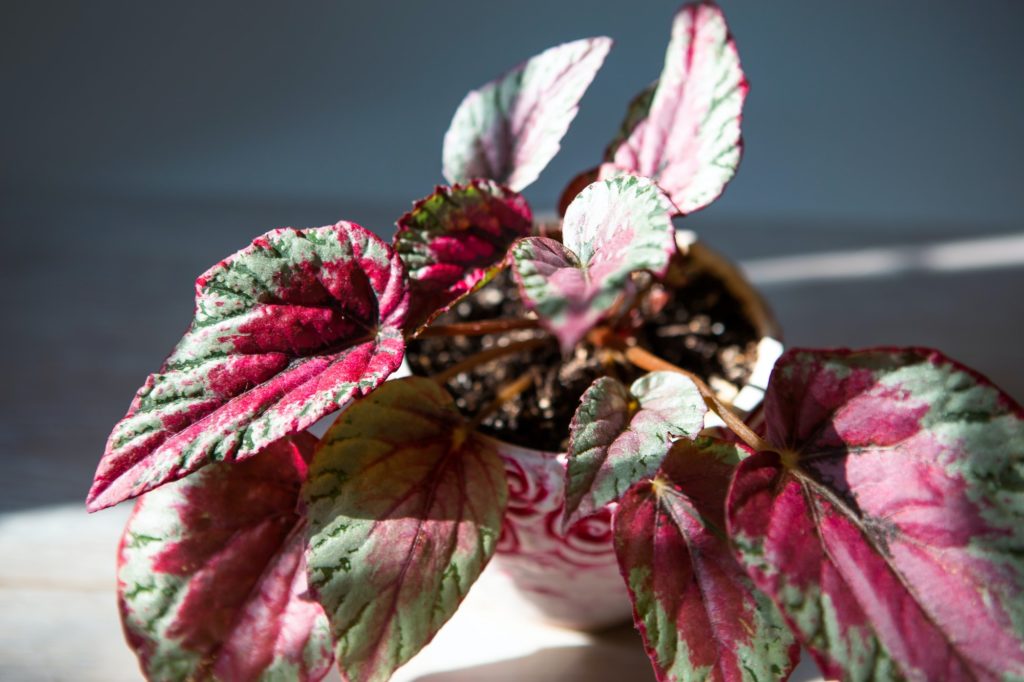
(570, 578)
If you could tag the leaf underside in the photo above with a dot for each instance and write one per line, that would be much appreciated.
(211, 575)
(684, 132)
(893, 545)
(698, 613)
(454, 241)
(619, 436)
(612, 229)
(405, 507)
(285, 331)
(509, 129)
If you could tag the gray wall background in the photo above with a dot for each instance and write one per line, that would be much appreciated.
(904, 110)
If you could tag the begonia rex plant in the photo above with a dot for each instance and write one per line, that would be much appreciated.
(875, 517)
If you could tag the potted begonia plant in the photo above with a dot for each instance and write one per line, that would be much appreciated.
(870, 510)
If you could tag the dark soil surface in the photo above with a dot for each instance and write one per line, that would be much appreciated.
(698, 326)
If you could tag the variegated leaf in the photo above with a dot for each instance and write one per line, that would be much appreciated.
(890, 528)
(510, 129)
(685, 133)
(286, 330)
(211, 575)
(619, 437)
(698, 613)
(612, 229)
(405, 505)
(455, 240)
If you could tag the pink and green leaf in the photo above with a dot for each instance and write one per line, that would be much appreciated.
(454, 241)
(211, 575)
(612, 229)
(512, 127)
(286, 331)
(685, 132)
(889, 528)
(405, 505)
(697, 611)
(619, 437)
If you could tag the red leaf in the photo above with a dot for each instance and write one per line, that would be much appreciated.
(285, 331)
(697, 611)
(211, 575)
(454, 241)
(889, 529)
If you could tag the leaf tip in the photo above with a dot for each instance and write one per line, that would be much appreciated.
(602, 45)
(103, 495)
(92, 504)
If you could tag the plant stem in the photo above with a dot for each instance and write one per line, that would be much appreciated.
(480, 327)
(652, 363)
(488, 355)
(504, 394)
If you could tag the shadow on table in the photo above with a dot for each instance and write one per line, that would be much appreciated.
(616, 655)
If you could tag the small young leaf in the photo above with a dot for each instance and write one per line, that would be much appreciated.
(510, 129)
(286, 331)
(454, 241)
(699, 615)
(619, 437)
(685, 132)
(211, 575)
(405, 506)
(612, 229)
(890, 528)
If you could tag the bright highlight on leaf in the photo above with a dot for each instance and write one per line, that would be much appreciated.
(211, 575)
(892, 540)
(510, 129)
(455, 240)
(619, 437)
(286, 331)
(698, 613)
(405, 505)
(685, 131)
(612, 229)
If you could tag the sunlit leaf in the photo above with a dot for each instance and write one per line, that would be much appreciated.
(684, 132)
(455, 240)
(620, 436)
(286, 331)
(510, 128)
(405, 505)
(890, 528)
(612, 229)
(698, 613)
(211, 575)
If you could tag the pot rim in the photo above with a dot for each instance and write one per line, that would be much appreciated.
(755, 308)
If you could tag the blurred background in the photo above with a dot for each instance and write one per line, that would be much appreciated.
(879, 200)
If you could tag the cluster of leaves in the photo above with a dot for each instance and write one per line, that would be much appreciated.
(878, 520)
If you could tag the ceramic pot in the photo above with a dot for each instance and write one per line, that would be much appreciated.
(571, 578)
